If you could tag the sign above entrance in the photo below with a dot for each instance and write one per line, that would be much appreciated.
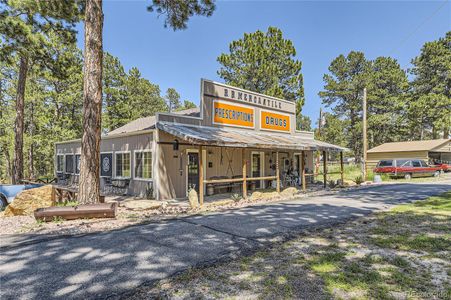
(226, 113)
(274, 121)
(225, 92)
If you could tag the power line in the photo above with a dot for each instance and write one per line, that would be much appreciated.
(418, 27)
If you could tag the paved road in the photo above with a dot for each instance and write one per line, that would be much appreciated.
(105, 265)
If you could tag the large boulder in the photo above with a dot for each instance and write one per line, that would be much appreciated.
(27, 201)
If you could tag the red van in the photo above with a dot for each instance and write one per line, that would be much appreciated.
(406, 168)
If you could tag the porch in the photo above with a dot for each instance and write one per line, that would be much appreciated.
(218, 161)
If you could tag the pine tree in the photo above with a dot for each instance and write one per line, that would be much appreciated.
(25, 27)
(265, 63)
(430, 105)
(177, 13)
(173, 99)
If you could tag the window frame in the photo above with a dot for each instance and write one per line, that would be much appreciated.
(379, 165)
(135, 163)
(115, 165)
(63, 167)
(416, 161)
(73, 163)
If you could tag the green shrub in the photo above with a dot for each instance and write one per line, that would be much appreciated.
(358, 179)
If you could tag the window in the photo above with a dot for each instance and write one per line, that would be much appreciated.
(60, 163)
(424, 164)
(143, 164)
(416, 163)
(69, 163)
(122, 164)
(385, 163)
(403, 163)
(77, 164)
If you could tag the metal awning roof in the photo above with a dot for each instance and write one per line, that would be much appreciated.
(226, 137)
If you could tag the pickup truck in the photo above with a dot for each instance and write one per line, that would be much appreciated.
(406, 168)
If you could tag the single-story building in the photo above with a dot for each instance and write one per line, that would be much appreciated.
(235, 139)
(428, 150)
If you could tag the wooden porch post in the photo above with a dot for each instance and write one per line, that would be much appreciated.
(244, 163)
(201, 177)
(277, 173)
(303, 171)
(325, 168)
(342, 168)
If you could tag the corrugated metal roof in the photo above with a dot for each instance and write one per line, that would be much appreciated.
(215, 136)
(425, 145)
(149, 122)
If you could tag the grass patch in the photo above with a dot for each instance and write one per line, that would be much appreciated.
(421, 228)
(400, 254)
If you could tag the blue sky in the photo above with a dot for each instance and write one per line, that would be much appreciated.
(320, 31)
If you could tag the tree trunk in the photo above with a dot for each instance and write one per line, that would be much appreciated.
(17, 174)
(31, 149)
(89, 190)
(446, 131)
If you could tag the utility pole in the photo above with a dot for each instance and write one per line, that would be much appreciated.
(365, 140)
(320, 120)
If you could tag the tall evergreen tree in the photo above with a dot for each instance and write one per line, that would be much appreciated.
(25, 27)
(343, 92)
(173, 99)
(387, 88)
(177, 13)
(430, 105)
(265, 63)
(114, 77)
(143, 98)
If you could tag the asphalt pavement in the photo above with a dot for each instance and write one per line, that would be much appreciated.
(111, 264)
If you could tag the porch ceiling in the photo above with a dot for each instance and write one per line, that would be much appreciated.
(227, 137)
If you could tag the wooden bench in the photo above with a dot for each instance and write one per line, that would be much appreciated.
(61, 194)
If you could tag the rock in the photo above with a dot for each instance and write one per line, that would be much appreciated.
(348, 183)
(289, 192)
(26, 202)
(193, 198)
(142, 204)
(256, 196)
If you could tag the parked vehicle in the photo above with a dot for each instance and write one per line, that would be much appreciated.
(443, 166)
(406, 168)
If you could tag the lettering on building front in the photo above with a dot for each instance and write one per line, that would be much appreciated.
(226, 113)
(274, 121)
(250, 98)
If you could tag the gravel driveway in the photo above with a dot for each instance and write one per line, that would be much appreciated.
(109, 264)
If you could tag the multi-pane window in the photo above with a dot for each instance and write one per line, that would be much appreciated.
(69, 164)
(60, 163)
(122, 164)
(143, 165)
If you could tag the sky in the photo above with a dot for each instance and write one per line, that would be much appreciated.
(320, 31)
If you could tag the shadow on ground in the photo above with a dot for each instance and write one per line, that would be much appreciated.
(107, 264)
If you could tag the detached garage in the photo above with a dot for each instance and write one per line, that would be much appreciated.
(434, 150)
